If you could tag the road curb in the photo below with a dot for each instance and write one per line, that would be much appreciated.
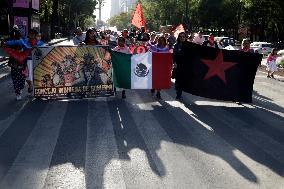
(59, 41)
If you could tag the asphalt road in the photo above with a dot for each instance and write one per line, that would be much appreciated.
(140, 142)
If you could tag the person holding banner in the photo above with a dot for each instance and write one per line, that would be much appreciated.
(161, 47)
(91, 38)
(121, 47)
(177, 62)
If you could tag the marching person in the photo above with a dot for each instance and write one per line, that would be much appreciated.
(271, 63)
(79, 36)
(210, 42)
(121, 47)
(161, 47)
(91, 38)
(246, 46)
(177, 62)
(198, 38)
(17, 67)
(28, 43)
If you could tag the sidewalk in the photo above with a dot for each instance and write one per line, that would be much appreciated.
(5, 69)
(262, 67)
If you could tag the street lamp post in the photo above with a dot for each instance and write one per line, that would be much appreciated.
(100, 9)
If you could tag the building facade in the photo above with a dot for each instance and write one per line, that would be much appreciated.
(23, 13)
(119, 6)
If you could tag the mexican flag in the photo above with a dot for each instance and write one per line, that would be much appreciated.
(142, 71)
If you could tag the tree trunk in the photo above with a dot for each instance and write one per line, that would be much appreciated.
(54, 20)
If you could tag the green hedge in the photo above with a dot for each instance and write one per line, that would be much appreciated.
(281, 64)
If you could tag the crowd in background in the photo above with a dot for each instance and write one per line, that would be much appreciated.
(125, 42)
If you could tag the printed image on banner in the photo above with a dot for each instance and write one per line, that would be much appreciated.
(77, 72)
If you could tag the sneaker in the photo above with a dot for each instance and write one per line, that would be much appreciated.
(158, 95)
(123, 96)
(19, 97)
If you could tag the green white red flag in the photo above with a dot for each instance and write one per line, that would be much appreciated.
(142, 71)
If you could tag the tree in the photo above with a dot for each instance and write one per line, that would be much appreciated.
(121, 21)
(65, 14)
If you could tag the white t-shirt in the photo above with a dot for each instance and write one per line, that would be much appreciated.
(78, 39)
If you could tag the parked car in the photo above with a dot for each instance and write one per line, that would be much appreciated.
(225, 41)
(261, 47)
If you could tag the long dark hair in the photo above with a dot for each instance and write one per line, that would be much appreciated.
(178, 39)
(88, 39)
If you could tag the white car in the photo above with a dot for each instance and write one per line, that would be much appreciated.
(261, 47)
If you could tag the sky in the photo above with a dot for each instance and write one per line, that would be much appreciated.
(105, 10)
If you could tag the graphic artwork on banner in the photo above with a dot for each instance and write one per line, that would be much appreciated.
(72, 72)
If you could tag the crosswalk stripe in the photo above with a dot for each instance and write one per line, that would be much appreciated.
(4, 124)
(255, 164)
(15, 136)
(102, 165)
(138, 167)
(251, 133)
(66, 169)
(173, 166)
(31, 165)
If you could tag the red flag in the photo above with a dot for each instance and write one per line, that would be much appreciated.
(138, 19)
(178, 30)
(162, 70)
(18, 55)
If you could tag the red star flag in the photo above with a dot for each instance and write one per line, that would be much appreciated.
(218, 74)
(138, 19)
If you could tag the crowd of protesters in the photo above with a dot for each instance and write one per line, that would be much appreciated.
(125, 42)
(22, 69)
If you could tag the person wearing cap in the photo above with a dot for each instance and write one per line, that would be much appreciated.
(198, 38)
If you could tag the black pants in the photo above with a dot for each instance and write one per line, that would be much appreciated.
(177, 83)
(18, 79)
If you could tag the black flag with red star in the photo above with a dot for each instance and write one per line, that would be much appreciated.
(218, 74)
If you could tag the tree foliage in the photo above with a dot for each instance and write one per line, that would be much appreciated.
(121, 21)
(265, 18)
(66, 14)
